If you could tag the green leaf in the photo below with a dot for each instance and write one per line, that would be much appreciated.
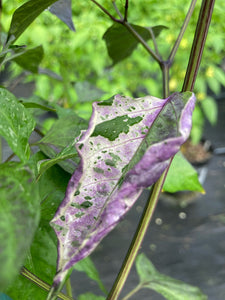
(41, 261)
(27, 59)
(25, 15)
(181, 176)
(19, 210)
(214, 84)
(42, 256)
(14, 51)
(67, 153)
(90, 296)
(220, 75)
(53, 183)
(30, 59)
(16, 124)
(63, 133)
(87, 92)
(86, 265)
(170, 288)
(210, 109)
(121, 43)
(37, 105)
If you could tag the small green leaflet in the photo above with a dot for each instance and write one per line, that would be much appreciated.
(168, 287)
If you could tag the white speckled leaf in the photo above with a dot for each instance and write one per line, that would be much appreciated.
(126, 148)
(16, 124)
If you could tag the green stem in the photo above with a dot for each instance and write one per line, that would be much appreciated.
(154, 41)
(134, 291)
(117, 11)
(165, 67)
(56, 288)
(69, 288)
(33, 278)
(182, 31)
(137, 239)
(198, 44)
(106, 12)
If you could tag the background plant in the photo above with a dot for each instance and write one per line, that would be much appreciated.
(93, 68)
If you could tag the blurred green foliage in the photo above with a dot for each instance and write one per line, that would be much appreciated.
(80, 59)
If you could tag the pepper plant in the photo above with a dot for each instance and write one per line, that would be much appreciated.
(52, 221)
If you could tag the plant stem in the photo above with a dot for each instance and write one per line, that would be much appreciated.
(126, 10)
(33, 278)
(137, 239)
(118, 11)
(130, 29)
(154, 41)
(10, 157)
(165, 66)
(142, 41)
(198, 44)
(134, 291)
(69, 288)
(106, 12)
(39, 132)
(182, 31)
(54, 292)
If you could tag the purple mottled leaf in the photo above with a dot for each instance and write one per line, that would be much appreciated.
(126, 148)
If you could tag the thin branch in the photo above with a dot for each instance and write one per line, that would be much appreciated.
(154, 41)
(201, 32)
(69, 288)
(126, 10)
(134, 291)
(39, 132)
(10, 157)
(142, 41)
(106, 12)
(130, 29)
(182, 31)
(33, 278)
(138, 238)
(118, 11)
(165, 66)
